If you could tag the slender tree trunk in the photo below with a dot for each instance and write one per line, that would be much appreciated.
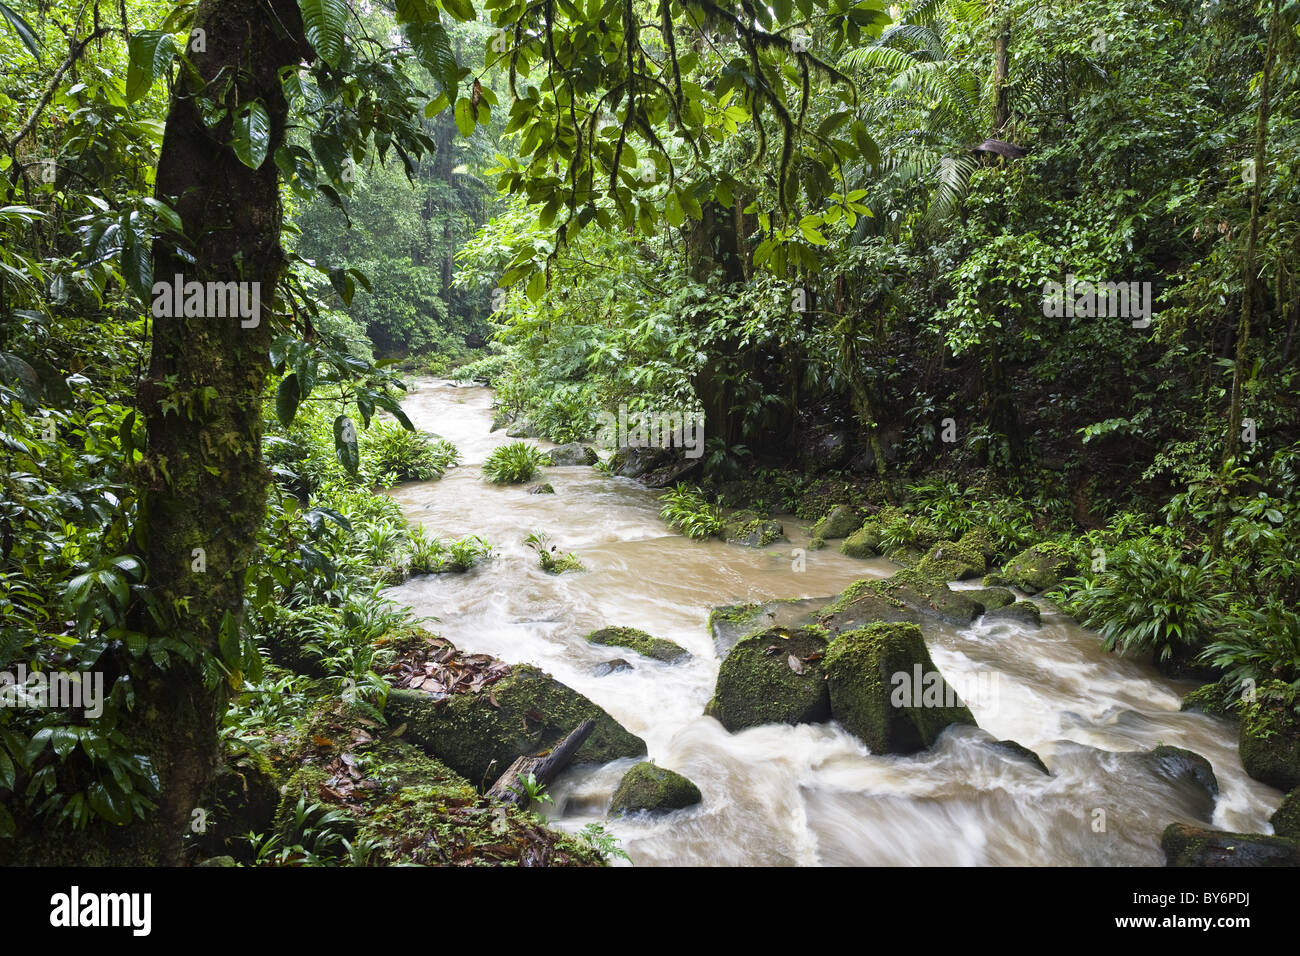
(1249, 266)
(1001, 69)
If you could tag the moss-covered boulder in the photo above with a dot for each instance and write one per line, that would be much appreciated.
(545, 488)
(1269, 740)
(1020, 612)
(526, 712)
(979, 540)
(751, 532)
(910, 595)
(885, 689)
(657, 648)
(956, 561)
(1286, 818)
(990, 599)
(729, 623)
(574, 453)
(816, 544)
(772, 677)
(1215, 699)
(1040, 567)
(840, 522)
(863, 543)
(1186, 845)
(650, 789)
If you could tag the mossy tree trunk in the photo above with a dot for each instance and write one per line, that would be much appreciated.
(205, 482)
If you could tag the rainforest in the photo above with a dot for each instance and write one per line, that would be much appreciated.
(635, 433)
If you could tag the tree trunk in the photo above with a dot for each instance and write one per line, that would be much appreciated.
(509, 788)
(1001, 68)
(205, 483)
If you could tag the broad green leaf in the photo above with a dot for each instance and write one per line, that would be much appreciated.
(150, 57)
(287, 397)
(323, 21)
(465, 118)
(345, 444)
(252, 135)
(26, 34)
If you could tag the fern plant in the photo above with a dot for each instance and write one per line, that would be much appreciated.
(513, 464)
(685, 510)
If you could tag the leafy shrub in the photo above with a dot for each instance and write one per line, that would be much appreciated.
(685, 510)
(513, 463)
(391, 453)
(1258, 644)
(1149, 600)
(431, 556)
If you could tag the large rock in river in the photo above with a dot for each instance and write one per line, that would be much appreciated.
(574, 453)
(840, 522)
(885, 689)
(655, 467)
(1269, 740)
(479, 734)
(1038, 568)
(910, 595)
(1186, 845)
(653, 789)
(772, 677)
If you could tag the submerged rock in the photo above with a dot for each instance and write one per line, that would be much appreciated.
(1186, 845)
(573, 453)
(479, 734)
(653, 789)
(1038, 568)
(840, 522)
(605, 668)
(885, 689)
(1021, 612)
(543, 489)
(743, 529)
(1021, 752)
(1188, 770)
(990, 599)
(654, 647)
(772, 677)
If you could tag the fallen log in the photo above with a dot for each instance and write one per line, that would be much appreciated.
(510, 788)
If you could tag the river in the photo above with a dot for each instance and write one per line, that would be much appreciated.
(812, 794)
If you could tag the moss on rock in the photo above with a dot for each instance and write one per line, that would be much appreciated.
(1286, 819)
(990, 599)
(758, 684)
(1039, 567)
(653, 789)
(1215, 699)
(1186, 845)
(1269, 740)
(885, 689)
(1021, 612)
(479, 734)
(840, 522)
(751, 532)
(657, 648)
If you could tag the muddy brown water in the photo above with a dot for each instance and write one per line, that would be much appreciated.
(806, 795)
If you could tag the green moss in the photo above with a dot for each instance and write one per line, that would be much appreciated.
(480, 734)
(752, 532)
(757, 685)
(1214, 699)
(1286, 819)
(1186, 845)
(1269, 740)
(1022, 612)
(649, 788)
(839, 522)
(733, 613)
(990, 599)
(1039, 567)
(816, 544)
(868, 697)
(654, 647)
